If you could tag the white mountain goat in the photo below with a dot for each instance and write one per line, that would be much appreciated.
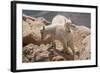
(60, 30)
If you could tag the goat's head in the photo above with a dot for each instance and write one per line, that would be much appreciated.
(45, 34)
(67, 25)
(68, 21)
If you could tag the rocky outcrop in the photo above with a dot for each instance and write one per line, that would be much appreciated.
(31, 29)
(28, 53)
(37, 50)
(85, 51)
(80, 34)
(34, 53)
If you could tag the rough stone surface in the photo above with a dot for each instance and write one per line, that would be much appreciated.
(36, 50)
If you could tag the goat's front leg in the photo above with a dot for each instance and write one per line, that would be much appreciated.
(53, 45)
(71, 45)
(65, 50)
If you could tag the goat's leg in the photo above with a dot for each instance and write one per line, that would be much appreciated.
(71, 45)
(65, 47)
(53, 43)
(73, 54)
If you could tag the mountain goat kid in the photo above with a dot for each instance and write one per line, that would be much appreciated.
(60, 31)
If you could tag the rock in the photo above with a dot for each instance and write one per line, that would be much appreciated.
(28, 19)
(31, 29)
(37, 50)
(58, 58)
(26, 29)
(41, 54)
(43, 20)
(59, 45)
(30, 37)
(27, 34)
(86, 51)
(28, 53)
(79, 34)
(34, 26)
(34, 53)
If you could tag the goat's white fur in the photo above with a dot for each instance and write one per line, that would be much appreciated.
(60, 30)
(60, 20)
